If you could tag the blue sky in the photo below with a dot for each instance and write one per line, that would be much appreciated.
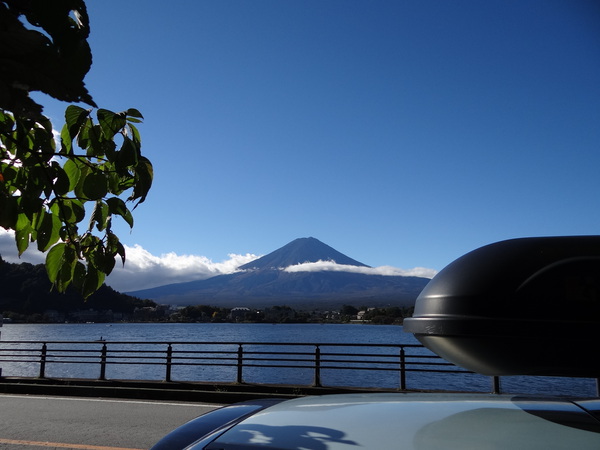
(401, 133)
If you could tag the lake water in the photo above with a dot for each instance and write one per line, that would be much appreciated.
(286, 333)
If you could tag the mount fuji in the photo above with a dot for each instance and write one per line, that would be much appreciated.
(265, 282)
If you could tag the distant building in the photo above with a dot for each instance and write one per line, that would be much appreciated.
(361, 314)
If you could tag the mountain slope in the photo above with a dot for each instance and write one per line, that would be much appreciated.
(262, 283)
(299, 251)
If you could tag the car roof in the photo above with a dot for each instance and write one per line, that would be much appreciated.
(416, 421)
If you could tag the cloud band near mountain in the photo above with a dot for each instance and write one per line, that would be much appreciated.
(321, 266)
(144, 270)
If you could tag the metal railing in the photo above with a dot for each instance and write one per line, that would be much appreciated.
(238, 357)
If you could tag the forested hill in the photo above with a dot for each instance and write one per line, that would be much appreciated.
(25, 290)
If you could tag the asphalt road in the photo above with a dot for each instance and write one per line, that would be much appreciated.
(35, 422)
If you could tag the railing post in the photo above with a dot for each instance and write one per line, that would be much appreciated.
(402, 369)
(43, 360)
(103, 353)
(495, 384)
(317, 382)
(169, 360)
(240, 364)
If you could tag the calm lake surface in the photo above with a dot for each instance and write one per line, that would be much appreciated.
(285, 333)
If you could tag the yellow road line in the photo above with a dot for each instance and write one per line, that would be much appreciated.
(63, 445)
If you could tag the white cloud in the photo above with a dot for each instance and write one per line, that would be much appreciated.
(144, 270)
(320, 266)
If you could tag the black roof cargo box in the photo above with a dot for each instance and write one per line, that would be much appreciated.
(527, 306)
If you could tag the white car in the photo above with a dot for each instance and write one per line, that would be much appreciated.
(395, 421)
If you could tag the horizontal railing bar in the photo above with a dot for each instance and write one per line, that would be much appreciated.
(388, 369)
(136, 357)
(351, 368)
(202, 359)
(73, 350)
(61, 355)
(289, 344)
(151, 352)
(110, 353)
(246, 352)
(430, 364)
(277, 359)
(73, 356)
(280, 366)
(439, 371)
(207, 352)
(383, 369)
(19, 349)
(347, 355)
(206, 364)
(107, 362)
(363, 355)
(21, 360)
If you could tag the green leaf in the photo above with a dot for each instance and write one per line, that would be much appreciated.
(110, 122)
(43, 141)
(75, 116)
(73, 172)
(69, 211)
(95, 186)
(48, 227)
(84, 131)
(62, 182)
(99, 216)
(66, 140)
(117, 206)
(22, 238)
(79, 276)
(30, 205)
(23, 232)
(93, 281)
(114, 184)
(105, 263)
(121, 252)
(127, 156)
(78, 209)
(115, 247)
(68, 263)
(47, 125)
(84, 171)
(132, 112)
(135, 134)
(145, 175)
(54, 260)
(98, 146)
(57, 206)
